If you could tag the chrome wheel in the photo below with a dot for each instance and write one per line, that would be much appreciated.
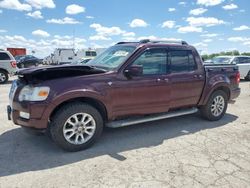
(218, 106)
(2, 77)
(79, 128)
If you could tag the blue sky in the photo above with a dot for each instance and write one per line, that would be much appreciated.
(42, 25)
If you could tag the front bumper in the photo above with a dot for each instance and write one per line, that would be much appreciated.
(35, 121)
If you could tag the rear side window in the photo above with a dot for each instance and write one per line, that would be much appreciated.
(4, 56)
(244, 60)
(182, 61)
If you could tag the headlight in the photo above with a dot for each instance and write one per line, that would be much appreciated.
(33, 93)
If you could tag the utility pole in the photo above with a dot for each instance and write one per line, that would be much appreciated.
(74, 38)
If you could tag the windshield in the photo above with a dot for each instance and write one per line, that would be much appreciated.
(222, 60)
(113, 57)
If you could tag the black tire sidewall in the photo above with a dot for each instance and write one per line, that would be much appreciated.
(206, 110)
(6, 77)
(56, 128)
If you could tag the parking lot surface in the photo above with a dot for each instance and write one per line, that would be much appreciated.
(179, 152)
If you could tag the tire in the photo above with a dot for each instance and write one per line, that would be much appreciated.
(4, 77)
(216, 106)
(68, 130)
(247, 78)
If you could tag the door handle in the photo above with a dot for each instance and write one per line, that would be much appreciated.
(158, 80)
(166, 80)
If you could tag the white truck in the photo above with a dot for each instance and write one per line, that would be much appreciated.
(243, 63)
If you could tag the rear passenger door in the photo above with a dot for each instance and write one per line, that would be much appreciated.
(186, 79)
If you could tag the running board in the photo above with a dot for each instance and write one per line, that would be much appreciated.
(127, 122)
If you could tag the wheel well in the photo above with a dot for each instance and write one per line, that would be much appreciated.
(93, 102)
(225, 89)
(4, 70)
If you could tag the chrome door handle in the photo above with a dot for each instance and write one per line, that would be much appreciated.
(166, 80)
(158, 80)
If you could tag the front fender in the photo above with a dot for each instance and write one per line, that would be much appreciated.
(81, 93)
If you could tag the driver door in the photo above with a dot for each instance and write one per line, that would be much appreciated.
(146, 93)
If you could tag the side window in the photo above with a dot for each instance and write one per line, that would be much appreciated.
(182, 61)
(244, 60)
(4, 56)
(153, 61)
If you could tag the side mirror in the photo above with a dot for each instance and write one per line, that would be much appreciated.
(134, 70)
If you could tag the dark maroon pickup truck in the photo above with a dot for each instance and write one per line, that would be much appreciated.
(129, 83)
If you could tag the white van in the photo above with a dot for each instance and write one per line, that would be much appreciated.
(63, 56)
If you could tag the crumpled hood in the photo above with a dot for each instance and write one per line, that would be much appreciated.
(38, 74)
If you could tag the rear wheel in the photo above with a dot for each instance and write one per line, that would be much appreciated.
(3, 77)
(216, 106)
(76, 126)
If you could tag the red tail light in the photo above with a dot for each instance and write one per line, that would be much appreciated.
(13, 64)
(238, 77)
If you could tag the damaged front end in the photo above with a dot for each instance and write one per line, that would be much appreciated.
(37, 75)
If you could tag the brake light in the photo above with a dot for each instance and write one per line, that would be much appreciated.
(238, 77)
(13, 64)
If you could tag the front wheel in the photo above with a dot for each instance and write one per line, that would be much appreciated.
(216, 106)
(76, 126)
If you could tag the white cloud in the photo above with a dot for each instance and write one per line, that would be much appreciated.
(200, 45)
(40, 33)
(210, 35)
(39, 4)
(42, 47)
(171, 9)
(65, 20)
(138, 23)
(209, 2)
(241, 28)
(238, 39)
(74, 9)
(3, 31)
(198, 11)
(37, 14)
(128, 34)
(204, 21)
(188, 29)
(182, 3)
(90, 17)
(207, 40)
(230, 7)
(129, 39)
(247, 43)
(168, 24)
(106, 31)
(99, 37)
(15, 5)
(152, 37)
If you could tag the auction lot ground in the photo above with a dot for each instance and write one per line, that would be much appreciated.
(179, 152)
